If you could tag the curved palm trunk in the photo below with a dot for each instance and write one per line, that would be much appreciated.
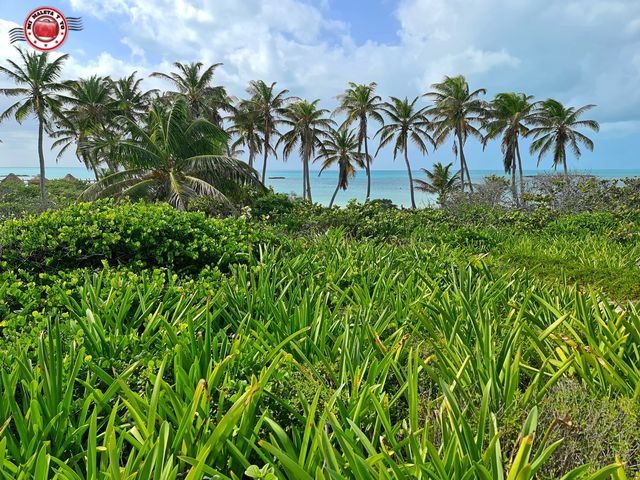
(564, 164)
(406, 161)
(43, 195)
(333, 198)
(520, 172)
(251, 157)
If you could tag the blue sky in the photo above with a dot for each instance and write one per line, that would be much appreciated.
(578, 51)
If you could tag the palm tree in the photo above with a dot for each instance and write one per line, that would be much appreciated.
(360, 103)
(341, 147)
(203, 99)
(89, 107)
(556, 129)
(37, 78)
(131, 101)
(308, 125)
(407, 124)
(269, 105)
(509, 115)
(457, 111)
(174, 158)
(440, 181)
(246, 126)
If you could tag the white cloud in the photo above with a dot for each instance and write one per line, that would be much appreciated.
(580, 51)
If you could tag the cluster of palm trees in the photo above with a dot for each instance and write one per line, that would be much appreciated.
(182, 143)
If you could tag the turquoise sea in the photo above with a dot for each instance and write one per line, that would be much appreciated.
(391, 184)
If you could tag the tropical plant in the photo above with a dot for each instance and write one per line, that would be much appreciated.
(246, 126)
(556, 129)
(203, 98)
(89, 108)
(509, 115)
(269, 105)
(174, 159)
(341, 147)
(457, 111)
(440, 181)
(308, 125)
(131, 101)
(407, 125)
(38, 81)
(359, 103)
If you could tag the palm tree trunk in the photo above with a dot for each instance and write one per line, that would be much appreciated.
(43, 195)
(333, 198)
(251, 157)
(566, 172)
(520, 172)
(514, 191)
(304, 179)
(266, 153)
(463, 162)
(308, 182)
(367, 165)
(406, 161)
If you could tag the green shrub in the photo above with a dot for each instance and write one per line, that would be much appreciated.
(140, 235)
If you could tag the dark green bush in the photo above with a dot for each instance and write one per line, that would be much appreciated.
(139, 235)
(272, 204)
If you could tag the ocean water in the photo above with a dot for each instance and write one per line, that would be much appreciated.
(391, 184)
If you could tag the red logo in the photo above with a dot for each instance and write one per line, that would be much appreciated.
(46, 29)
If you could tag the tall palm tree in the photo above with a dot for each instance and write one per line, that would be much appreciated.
(407, 124)
(457, 111)
(440, 181)
(270, 105)
(173, 158)
(509, 115)
(89, 107)
(341, 147)
(308, 125)
(38, 80)
(246, 126)
(556, 129)
(203, 98)
(131, 101)
(359, 103)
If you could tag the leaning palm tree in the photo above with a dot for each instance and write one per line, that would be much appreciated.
(269, 105)
(457, 111)
(360, 103)
(203, 99)
(556, 129)
(174, 159)
(88, 108)
(37, 79)
(406, 125)
(509, 115)
(440, 181)
(308, 126)
(341, 147)
(246, 127)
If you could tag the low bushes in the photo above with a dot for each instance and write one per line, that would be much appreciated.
(139, 235)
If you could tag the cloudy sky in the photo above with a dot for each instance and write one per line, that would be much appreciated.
(578, 51)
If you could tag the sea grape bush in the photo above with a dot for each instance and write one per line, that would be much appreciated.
(140, 235)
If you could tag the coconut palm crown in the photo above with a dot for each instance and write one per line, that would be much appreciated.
(556, 129)
(174, 159)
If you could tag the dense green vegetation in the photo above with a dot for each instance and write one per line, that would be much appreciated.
(303, 342)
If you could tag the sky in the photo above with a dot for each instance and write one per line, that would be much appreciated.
(577, 51)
